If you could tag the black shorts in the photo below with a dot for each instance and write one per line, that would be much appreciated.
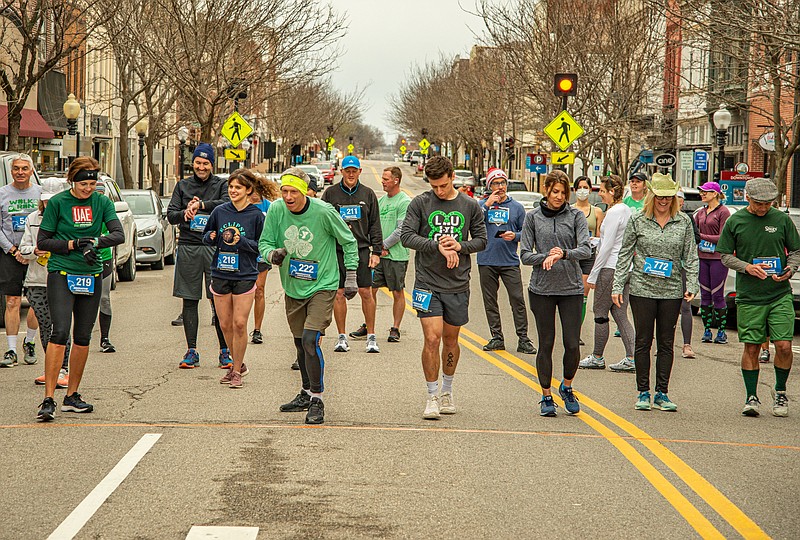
(192, 266)
(363, 273)
(452, 307)
(220, 287)
(12, 275)
(587, 264)
(390, 274)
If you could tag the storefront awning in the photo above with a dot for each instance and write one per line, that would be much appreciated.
(32, 124)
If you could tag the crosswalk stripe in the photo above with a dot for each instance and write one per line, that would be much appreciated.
(198, 532)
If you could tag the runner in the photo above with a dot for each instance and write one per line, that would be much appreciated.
(444, 226)
(687, 319)
(601, 279)
(233, 229)
(104, 317)
(71, 230)
(17, 200)
(192, 201)
(300, 236)
(637, 183)
(594, 219)
(503, 217)
(358, 206)
(262, 203)
(555, 239)
(659, 241)
(755, 243)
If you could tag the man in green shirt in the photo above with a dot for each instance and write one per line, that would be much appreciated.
(762, 245)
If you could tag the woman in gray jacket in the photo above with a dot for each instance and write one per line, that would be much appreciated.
(555, 237)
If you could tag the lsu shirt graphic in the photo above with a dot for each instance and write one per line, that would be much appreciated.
(445, 224)
(82, 216)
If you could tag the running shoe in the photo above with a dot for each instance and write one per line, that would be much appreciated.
(581, 343)
(244, 370)
(361, 333)
(662, 402)
(47, 410)
(226, 379)
(190, 360)
(394, 335)
(707, 337)
(316, 412)
(225, 360)
(236, 379)
(688, 352)
(751, 407)
(29, 349)
(431, 408)
(446, 403)
(526, 346)
(372, 344)
(624, 365)
(495, 344)
(106, 346)
(570, 399)
(592, 362)
(296, 365)
(214, 319)
(178, 321)
(643, 401)
(256, 337)
(341, 345)
(74, 403)
(9, 359)
(300, 403)
(780, 405)
(722, 337)
(61, 382)
(763, 356)
(617, 334)
(548, 406)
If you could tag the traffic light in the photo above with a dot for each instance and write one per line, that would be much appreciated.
(566, 84)
(510, 144)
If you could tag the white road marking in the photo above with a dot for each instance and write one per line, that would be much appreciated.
(222, 533)
(86, 509)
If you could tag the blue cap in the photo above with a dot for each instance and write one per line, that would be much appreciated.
(351, 161)
(204, 151)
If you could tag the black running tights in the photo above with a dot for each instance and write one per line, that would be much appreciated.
(569, 311)
(312, 364)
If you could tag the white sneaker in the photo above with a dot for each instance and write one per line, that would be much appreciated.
(372, 344)
(431, 408)
(626, 364)
(592, 362)
(751, 406)
(446, 405)
(780, 407)
(341, 345)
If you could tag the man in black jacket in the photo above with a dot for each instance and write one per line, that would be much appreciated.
(192, 201)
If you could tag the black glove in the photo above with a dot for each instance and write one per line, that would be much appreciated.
(90, 255)
(350, 284)
(81, 243)
(276, 256)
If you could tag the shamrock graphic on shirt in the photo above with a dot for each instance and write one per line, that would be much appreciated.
(446, 224)
(298, 241)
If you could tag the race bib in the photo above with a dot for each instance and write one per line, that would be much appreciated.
(350, 212)
(18, 223)
(707, 247)
(421, 299)
(198, 223)
(774, 263)
(228, 262)
(80, 284)
(657, 267)
(305, 270)
(498, 216)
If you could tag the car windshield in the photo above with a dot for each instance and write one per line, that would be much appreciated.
(526, 196)
(141, 205)
(465, 174)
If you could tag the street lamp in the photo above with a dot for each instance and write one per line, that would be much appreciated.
(72, 109)
(141, 130)
(183, 134)
(245, 145)
(722, 119)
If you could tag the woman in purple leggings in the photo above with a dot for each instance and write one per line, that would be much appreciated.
(710, 219)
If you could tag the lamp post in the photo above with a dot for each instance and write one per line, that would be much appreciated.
(141, 130)
(722, 119)
(245, 145)
(72, 109)
(183, 134)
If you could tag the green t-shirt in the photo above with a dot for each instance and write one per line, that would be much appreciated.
(632, 203)
(393, 209)
(748, 236)
(70, 218)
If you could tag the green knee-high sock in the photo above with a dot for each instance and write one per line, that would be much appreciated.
(722, 318)
(780, 379)
(583, 309)
(750, 381)
(705, 315)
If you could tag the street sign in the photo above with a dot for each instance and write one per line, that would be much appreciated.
(424, 151)
(700, 160)
(466, 157)
(536, 163)
(665, 160)
(329, 141)
(350, 148)
(424, 144)
(562, 158)
(564, 130)
(403, 149)
(742, 168)
(686, 159)
(235, 129)
(597, 166)
(235, 154)
(646, 156)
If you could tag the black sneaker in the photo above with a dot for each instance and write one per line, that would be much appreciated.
(300, 403)
(394, 335)
(495, 344)
(9, 359)
(316, 412)
(256, 337)
(47, 410)
(296, 365)
(74, 403)
(106, 346)
(178, 320)
(214, 320)
(526, 347)
(361, 333)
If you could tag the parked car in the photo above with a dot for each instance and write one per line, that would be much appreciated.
(5, 169)
(313, 172)
(416, 157)
(528, 199)
(155, 235)
(125, 253)
(327, 170)
(516, 185)
(692, 200)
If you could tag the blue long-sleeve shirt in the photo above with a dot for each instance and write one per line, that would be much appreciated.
(500, 252)
(230, 223)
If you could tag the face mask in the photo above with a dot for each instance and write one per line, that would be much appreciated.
(582, 194)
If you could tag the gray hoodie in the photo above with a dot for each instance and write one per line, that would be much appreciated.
(569, 231)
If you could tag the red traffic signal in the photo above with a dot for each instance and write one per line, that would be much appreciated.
(566, 84)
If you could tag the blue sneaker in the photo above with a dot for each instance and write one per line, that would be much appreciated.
(225, 360)
(570, 399)
(721, 338)
(661, 401)
(190, 360)
(548, 406)
(707, 337)
(643, 401)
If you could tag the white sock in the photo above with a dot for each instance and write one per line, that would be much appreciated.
(447, 383)
(307, 392)
(30, 335)
(316, 395)
(370, 336)
(12, 342)
(433, 388)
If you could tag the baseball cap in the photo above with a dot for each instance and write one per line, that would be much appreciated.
(52, 186)
(710, 186)
(351, 161)
(642, 176)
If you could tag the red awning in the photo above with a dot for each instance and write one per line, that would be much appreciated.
(32, 125)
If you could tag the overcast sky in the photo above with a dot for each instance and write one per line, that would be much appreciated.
(386, 38)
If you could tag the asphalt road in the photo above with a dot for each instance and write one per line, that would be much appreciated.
(376, 469)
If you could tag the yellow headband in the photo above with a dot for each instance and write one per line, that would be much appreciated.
(295, 182)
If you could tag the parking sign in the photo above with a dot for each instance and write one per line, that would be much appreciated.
(700, 160)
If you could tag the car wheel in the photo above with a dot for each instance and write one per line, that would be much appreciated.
(159, 265)
(127, 272)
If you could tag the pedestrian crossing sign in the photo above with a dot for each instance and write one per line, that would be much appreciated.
(564, 130)
(235, 129)
(424, 144)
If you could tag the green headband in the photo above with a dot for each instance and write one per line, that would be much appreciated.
(295, 182)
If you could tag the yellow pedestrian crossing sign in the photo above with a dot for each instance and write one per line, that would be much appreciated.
(329, 141)
(564, 130)
(350, 148)
(424, 151)
(403, 149)
(562, 158)
(424, 144)
(235, 129)
(235, 154)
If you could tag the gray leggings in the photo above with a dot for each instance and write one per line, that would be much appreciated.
(602, 305)
(37, 298)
